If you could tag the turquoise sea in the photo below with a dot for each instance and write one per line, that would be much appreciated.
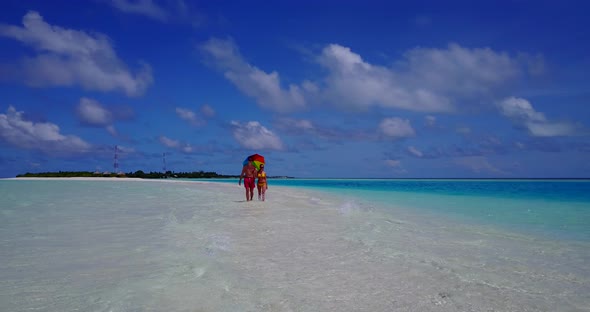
(313, 245)
(557, 209)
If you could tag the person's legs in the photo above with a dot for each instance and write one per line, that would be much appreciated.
(251, 193)
(263, 192)
(249, 185)
(259, 191)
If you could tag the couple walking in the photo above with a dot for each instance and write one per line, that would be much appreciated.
(249, 173)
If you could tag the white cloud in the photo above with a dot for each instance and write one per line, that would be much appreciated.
(68, 57)
(126, 150)
(425, 80)
(414, 151)
(304, 124)
(186, 114)
(207, 111)
(521, 111)
(518, 108)
(429, 80)
(192, 117)
(166, 11)
(169, 142)
(547, 129)
(111, 129)
(295, 126)
(392, 162)
(91, 112)
(460, 71)
(189, 116)
(355, 84)
(142, 7)
(396, 128)
(175, 144)
(252, 135)
(430, 120)
(187, 148)
(264, 87)
(43, 136)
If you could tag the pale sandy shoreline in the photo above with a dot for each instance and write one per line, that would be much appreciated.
(220, 186)
(102, 179)
(76, 178)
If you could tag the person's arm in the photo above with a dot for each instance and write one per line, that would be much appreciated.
(241, 175)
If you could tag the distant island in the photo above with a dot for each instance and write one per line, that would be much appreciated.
(137, 174)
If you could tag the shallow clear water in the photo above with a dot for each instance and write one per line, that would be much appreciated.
(155, 246)
(569, 190)
(558, 209)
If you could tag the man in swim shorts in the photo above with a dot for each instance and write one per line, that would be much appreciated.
(249, 175)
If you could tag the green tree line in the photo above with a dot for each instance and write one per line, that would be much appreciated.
(136, 174)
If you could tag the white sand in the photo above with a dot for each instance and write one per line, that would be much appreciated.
(93, 179)
(198, 246)
(76, 178)
(107, 179)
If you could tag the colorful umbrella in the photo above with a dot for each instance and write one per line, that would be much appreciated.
(257, 160)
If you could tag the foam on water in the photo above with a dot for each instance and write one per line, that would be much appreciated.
(153, 246)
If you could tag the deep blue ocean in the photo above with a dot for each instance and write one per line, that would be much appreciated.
(555, 209)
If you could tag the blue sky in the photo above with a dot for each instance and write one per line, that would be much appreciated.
(379, 89)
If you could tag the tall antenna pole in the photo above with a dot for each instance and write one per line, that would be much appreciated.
(116, 160)
(164, 162)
